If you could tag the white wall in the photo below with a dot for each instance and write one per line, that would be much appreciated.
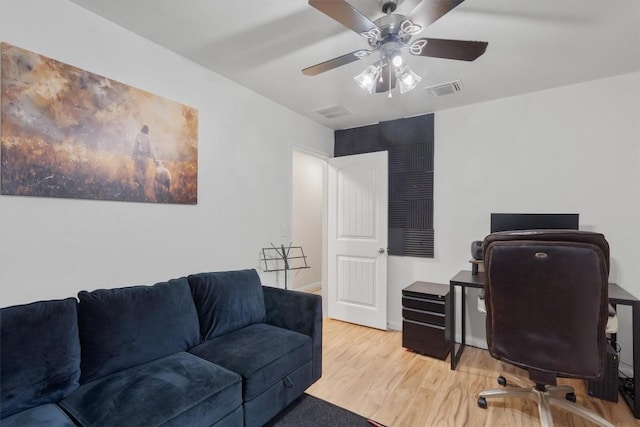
(570, 149)
(306, 220)
(52, 248)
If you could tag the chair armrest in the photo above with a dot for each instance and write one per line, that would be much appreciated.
(300, 312)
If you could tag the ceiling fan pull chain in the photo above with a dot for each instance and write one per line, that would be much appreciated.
(390, 95)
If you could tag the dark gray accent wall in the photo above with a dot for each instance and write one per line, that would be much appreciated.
(410, 143)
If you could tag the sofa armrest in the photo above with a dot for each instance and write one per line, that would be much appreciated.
(300, 312)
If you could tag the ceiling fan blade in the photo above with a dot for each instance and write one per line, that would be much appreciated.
(463, 50)
(336, 62)
(345, 14)
(429, 11)
(383, 82)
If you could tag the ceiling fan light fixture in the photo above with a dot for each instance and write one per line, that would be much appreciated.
(396, 59)
(388, 35)
(368, 78)
(407, 79)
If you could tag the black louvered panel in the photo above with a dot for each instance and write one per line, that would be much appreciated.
(390, 133)
(397, 159)
(418, 214)
(413, 130)
(419, 158)
(407, 131)
(396, 215)
(410, 143)
(343, 145)
(418, 186)
(368, 140)
(418, 242)
(426, 129)
(396, 241)
(396, 187)
(365, 139)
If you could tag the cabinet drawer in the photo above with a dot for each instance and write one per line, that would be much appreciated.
(435, 306)
(426, 339)
(423, 317)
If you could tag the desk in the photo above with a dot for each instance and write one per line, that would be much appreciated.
(617, 296)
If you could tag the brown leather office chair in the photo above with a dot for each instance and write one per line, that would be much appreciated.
(546, 293)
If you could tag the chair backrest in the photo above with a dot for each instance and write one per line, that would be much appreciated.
(546, 293)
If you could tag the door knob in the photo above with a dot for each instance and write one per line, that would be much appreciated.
(381, 251)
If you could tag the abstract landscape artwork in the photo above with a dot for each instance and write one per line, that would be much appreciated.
(69, 133)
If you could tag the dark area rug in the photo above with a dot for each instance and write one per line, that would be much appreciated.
(309, 411)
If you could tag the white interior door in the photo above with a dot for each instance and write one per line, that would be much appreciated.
(357, 239)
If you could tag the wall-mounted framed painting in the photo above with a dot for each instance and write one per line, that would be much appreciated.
(69, 133)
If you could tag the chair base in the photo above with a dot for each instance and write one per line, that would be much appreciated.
(545, 396)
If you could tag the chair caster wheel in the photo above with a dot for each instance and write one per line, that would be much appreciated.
(571, 397)
(502, 381)
(482, 402)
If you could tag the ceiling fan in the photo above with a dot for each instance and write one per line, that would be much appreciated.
(390, 34)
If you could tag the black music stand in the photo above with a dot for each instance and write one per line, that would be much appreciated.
(284, 258)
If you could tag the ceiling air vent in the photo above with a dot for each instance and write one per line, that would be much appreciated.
(334, 111)
(445, 88)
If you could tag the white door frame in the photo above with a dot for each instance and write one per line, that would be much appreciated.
(324, 158)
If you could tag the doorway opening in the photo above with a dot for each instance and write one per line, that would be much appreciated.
(308, 218)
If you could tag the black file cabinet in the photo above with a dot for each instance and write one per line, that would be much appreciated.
(425, 322)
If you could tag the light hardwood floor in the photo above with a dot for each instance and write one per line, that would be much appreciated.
(369, 372)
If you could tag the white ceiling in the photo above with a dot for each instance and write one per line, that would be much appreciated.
(264, 44)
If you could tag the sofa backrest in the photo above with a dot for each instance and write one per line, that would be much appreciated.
(125, 327)
(227, 301)
(39, 354)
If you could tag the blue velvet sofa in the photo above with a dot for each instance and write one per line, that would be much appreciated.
(210, 349)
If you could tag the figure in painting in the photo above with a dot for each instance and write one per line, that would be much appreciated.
(142, 153)
(163, 183)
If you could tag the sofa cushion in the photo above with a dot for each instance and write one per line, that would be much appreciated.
(40, 354)
(125, 327)
(261, 353)
(180, 389)
(48, 415)
(227, 301)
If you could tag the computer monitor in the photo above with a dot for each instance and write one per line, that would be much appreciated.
(529, 221)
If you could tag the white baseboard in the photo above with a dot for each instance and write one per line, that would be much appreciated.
(394, 326)
(308, 288)
(476, 342)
